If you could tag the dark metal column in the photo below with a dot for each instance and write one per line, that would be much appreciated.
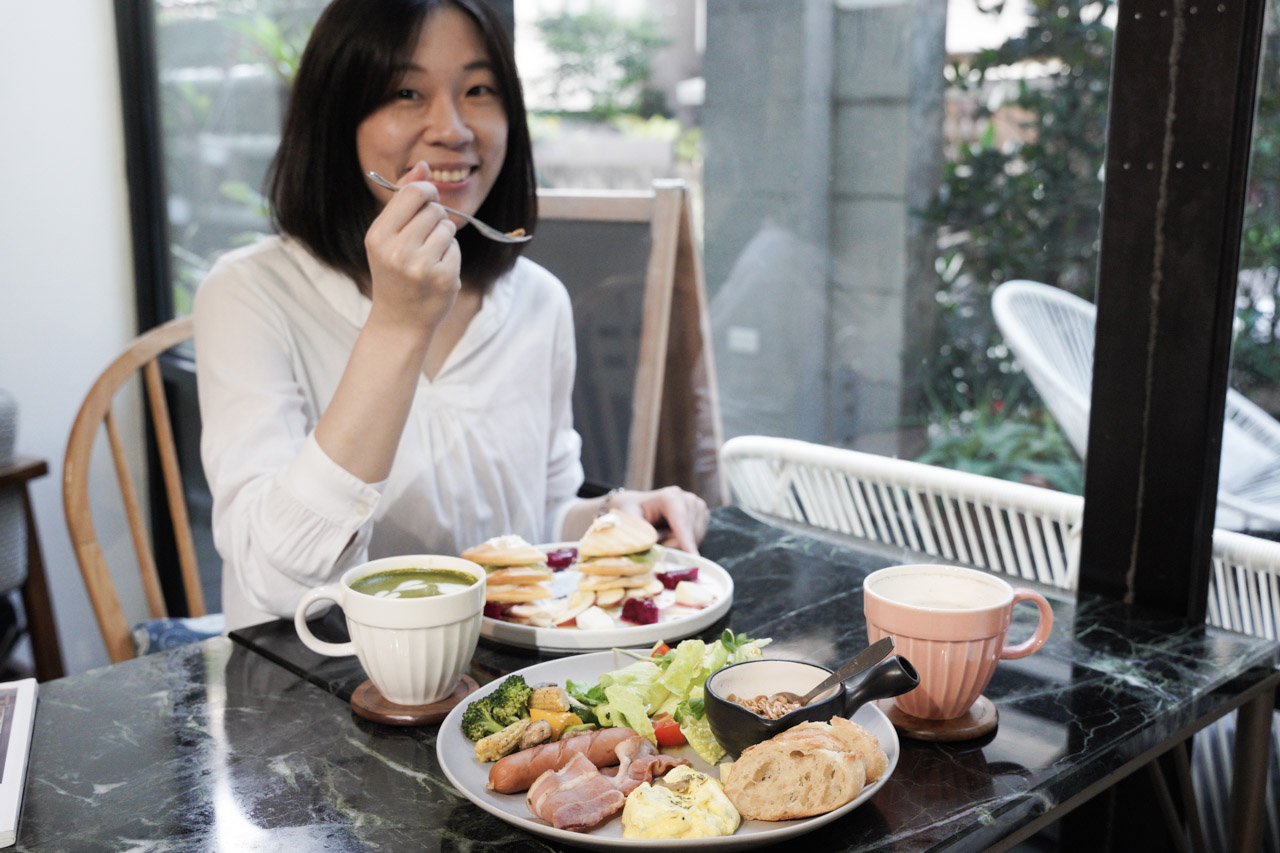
(1177, 155)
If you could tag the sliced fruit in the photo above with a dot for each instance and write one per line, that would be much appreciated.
(542, 611)
(595, 619)
(578, 602)
(692, 595)
(650, 589)
(610, 597)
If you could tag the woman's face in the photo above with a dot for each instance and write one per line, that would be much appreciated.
(446, 110)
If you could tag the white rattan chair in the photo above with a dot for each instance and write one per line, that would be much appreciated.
(1052, 334)
(956, 516)
(1011, 528)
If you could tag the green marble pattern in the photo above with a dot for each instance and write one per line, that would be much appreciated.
(249, 743)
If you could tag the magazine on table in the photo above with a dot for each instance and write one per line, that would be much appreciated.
(17, 719)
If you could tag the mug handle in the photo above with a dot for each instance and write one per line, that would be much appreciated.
(331, 592)
(1043, 627)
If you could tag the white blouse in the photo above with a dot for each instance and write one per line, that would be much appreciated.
(489, 447)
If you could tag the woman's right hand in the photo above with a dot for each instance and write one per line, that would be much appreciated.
(414, 261)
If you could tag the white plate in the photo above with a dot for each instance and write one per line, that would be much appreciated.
(458, 759)
(675, 622)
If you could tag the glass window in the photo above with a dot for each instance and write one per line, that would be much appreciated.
(224, 74)
(865, 174)
(1249, 476)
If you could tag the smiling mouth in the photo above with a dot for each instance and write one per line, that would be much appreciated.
(447, 176)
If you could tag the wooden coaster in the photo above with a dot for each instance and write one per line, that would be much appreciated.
(981, 719)
(369, 703)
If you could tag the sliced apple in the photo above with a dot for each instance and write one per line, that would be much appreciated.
(544, 613)
(578, 602)
(610, 597)
(595, 619)
(652, 588)
(691, 595)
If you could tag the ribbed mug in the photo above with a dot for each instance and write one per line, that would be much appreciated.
(951, 623)
(414, 650)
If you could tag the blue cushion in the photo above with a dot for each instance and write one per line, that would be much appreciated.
(157, 635)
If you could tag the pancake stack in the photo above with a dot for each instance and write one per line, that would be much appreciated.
(517, 571)
(616, 557)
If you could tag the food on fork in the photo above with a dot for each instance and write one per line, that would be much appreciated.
(516, 571)
(807, 770)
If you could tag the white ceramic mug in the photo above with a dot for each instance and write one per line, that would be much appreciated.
(413, 649)
(950, 622)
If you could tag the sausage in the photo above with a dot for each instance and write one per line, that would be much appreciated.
(518, 771)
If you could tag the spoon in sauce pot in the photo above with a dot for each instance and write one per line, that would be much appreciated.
(868, 657)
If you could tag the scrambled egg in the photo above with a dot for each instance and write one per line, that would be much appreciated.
(686, 804)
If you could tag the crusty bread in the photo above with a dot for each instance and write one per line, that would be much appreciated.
(615, 533)
(810, 769)
(509, 550)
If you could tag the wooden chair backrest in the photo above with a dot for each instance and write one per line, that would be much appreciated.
(95, 412)
(646, 376)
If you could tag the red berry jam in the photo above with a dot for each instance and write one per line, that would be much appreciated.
(640, 611)
(671, 577)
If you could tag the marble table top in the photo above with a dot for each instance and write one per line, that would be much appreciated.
(249, 743)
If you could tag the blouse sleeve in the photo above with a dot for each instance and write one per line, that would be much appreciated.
(564, 468)
(286, 517)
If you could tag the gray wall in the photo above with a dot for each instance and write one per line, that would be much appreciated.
(823, 125)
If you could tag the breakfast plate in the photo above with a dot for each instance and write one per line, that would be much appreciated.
(457, 758)
(675, 621)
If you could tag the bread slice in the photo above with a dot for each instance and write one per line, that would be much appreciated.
(810, 769)
(615, 533)
(509, 550)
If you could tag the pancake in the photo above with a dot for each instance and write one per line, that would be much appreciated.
(615, 533)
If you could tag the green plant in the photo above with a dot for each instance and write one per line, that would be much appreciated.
(281, 46)
(603, 60)
(1255, 357)
(988, 441)
(1023, 206)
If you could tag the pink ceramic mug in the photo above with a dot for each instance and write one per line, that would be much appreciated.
(951, 624)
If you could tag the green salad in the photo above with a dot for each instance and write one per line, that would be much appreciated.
(666, 683)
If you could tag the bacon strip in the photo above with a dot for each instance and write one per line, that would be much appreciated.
(576, 797)
(579, 797)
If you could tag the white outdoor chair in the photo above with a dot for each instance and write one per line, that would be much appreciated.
(1016, 529)
(1052, 334)
(955, 516)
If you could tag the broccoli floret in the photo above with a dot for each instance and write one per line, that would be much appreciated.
(501, 708)
(478, 721)
(510, 702)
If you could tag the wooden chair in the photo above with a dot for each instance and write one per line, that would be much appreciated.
(645, 400)
(95, 412)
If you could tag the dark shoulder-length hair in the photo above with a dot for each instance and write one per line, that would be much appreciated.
(351, 66)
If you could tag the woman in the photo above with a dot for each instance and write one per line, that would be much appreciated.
(379, 379)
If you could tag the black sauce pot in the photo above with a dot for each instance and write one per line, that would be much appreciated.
(736, 728)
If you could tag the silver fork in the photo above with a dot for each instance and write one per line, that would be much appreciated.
(483, 227)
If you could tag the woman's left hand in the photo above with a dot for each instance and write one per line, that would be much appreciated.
(683, 514)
